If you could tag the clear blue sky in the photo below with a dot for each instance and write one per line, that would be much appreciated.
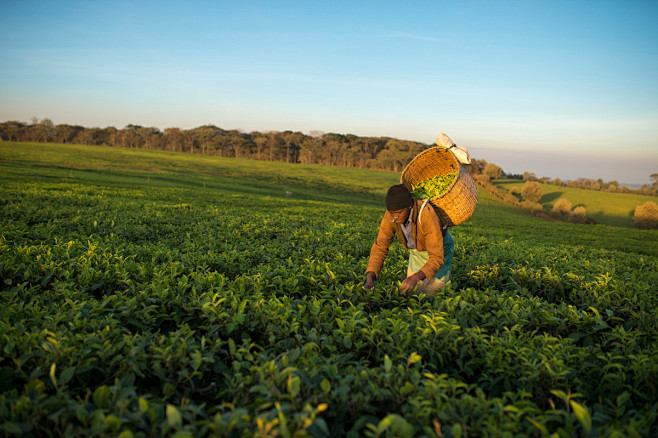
(564, 89)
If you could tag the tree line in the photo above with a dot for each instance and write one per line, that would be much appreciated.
(329, 149)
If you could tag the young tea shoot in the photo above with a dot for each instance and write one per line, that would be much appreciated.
(433, 187)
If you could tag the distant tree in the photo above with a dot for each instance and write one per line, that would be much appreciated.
(578, 215)
(274, 144)
(646, 216)
(651, 190)
(558, 182)
(476, 166)
(47, 129)
(309, 150)
(513, 175)
(241, 143)
(173, 139)
(67, 133)
(13, 130)
(492, 171)
(150, 137)
(85, 137)
(41, 131)
(531, 191)
(561, 208)
(292, 140)
(529, 176)
(654, 178)
(260, 141)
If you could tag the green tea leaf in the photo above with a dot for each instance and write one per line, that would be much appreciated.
(413, 358)
(294, 384)
(67, 375)
(113, 422)
(582, 415)
(432, 187)
(457, 430)
(143, 405)
(538, 425)
(174, 418)
(12, 427)
(102, 396)
(231, 346)
(53, 378)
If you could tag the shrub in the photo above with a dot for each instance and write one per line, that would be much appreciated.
(646, 215)
(532, 207)
(492, 171)
(482, 178)
(531, 191)
(510, 198)
(561, 208)
(578, 215)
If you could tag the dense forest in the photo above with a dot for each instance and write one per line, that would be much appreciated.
(330, 149)
(293, 147)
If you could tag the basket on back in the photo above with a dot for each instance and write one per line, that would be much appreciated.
(457, 203)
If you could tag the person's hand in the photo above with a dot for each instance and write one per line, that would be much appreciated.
(370, 281)
(409, 283)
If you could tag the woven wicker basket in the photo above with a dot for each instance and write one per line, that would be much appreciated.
(457, 203)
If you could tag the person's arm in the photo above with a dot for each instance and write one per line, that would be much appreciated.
(379, 250)
(410, 282)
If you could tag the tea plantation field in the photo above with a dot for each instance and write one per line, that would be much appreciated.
(160, 294)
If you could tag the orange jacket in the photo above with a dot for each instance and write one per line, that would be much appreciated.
(427, 237)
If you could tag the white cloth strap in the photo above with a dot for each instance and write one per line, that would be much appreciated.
(421, 209)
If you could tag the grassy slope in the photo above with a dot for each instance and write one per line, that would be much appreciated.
(101, 165)
(116, 167)
(605, 208)
(270, 178)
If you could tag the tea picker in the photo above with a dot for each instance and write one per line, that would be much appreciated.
(435, 192)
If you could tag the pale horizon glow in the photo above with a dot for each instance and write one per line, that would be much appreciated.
(564, 89)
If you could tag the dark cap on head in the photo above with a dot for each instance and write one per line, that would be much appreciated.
(398, 197)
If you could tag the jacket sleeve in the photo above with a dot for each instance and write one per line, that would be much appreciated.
(430, 226)
(379, 249)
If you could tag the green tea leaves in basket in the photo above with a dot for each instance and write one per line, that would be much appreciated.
(433, 187)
